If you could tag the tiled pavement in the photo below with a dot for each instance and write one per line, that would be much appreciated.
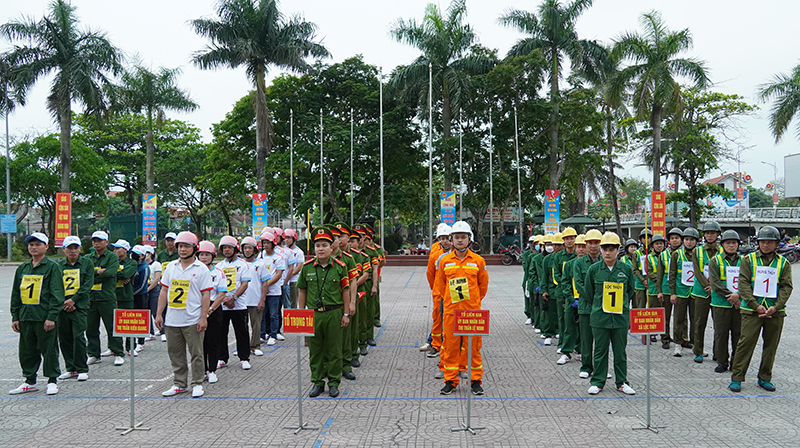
(529, 401)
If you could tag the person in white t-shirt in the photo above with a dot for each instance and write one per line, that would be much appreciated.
(211, 343)
(234, 310)
(254, 297)
(299, 258)
(275, 266)
(153, 288)
(288, 260)
(186, 290)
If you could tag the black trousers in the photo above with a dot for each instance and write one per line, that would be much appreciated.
(213, 342)
(239, 320)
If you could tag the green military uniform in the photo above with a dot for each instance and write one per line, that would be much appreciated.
(165, 257)
(681, 334)
(579, 269)
(37, 295)
(559, 292)
(78, 281)
(526, 297)
(549, 307)
(752, 325)
(126, 270)
(102, 302)
(362, 262)
(610, 291)
(534, 283)
(662, 272)
(640, 295)
(367, 328)
(727, 318)
(324, 286)
(347, 332)
(701, 299)
(376, 304)
(571, 335)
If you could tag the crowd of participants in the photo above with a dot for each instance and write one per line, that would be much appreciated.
(57, 306)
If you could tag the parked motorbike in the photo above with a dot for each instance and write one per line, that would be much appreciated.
(511, 254)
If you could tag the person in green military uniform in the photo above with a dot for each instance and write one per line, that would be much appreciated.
(571, 336)
(579, 268)
(723, 272)
(526, 262)
(102, 299)
(324, 285)
(37, 298)
(560, 293)
(380, 255)
(764, 287)
(548, 288)
(171, 252)
(364, 268)
(702, 289)
(681, 280)
(125, 272)
(639, 266)
(368, 331)
(78, 275)
(675, 239)
(535, 282)
(610, 285)
(632, 259)
(531, 301)
(341, 236)
(654, 298)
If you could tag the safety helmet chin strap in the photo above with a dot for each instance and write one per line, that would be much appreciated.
(194, 252)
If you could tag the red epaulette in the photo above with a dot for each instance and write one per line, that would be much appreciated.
(309, 261)
(341, 263)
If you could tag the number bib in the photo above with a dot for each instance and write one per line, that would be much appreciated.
(179, 293)
(687, 273)
(119, 282)
(459, 289)
(643, 264)
(72, 281)
(766, 282)
(613, 297)
(30, 289)
(705, 272)
(230, 277)
(732, 278)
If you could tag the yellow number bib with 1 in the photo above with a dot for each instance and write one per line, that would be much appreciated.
(72, 281)
(459, 289)
(613, 297)
(230, 276)
(30, 289)
(179, 293)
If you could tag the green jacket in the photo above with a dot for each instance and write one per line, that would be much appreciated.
(126, 270)
(636, 264)
(323, 283)
(703, 256)
(537, 266)
(568, 288)
(620, 284)
(563, 291)
(718, 278)
(579, 269)
(37, 293)
(653, 277)
(163, 256)
(78, 281)
(526, 262)
(747, 279)
(105, 284)
(663, 268)
(548, 279)
(676, 269)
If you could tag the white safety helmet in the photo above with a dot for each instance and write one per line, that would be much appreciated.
(462, 227)
(532, 238)
(442, 230)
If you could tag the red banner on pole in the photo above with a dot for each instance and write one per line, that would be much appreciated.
(471, 323)
(63, 217)
(131, 323)
(658, 199)
(298, 322)
(647, 321)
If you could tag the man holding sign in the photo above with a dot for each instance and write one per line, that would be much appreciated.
(766, 286)
(610, 285)
(78, 275)
(723, 271)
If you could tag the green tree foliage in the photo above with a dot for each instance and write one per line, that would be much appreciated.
(785, 90)
(636, 190)
(759, 198)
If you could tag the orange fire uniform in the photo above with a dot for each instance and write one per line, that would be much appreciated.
(433, 270)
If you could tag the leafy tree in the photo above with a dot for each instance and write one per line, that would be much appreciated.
(255, 34)
(652, 74)
(785, 90)
(759, 198)
(178, 174)
(80, 60)
(636, 190)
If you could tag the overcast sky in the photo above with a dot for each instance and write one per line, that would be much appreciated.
(743, 42)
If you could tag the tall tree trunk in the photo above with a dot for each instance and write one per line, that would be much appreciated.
(263, 131)
(677, 179)
(656, 124)
(65, 124)
(446, 117)
(226, 216)
(151, 148)
(693, 205)
(554, 99)
(610, 151)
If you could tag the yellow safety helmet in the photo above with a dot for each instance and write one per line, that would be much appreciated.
(547, 239)
(581, 239)
(537, 239)
(593, 235)
(569, 231)
(558, 238)
(610, 239)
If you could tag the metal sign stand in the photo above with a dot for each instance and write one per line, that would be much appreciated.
(468, 425)
(301, 425)
(649, 426)
(134, 426)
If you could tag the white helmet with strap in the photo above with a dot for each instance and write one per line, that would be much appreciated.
(442, 230)
(462, 227)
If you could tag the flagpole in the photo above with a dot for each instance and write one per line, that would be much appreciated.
(321, 171)
(491, 188)
(380, 82)
(351, 166)
(291, 165)
(460, 168)
(430, 153)
(519, 183)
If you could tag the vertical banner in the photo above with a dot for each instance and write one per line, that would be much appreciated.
(552, 214)
(63, 217)
(259, 213)
(448, 207)
(149, 223)
(658, 201)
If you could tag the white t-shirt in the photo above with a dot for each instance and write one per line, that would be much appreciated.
(299, 259)
(235, 273)
(258, 275)
(184, 292)
(154, 267)
(219, 282)
(273, 264)
(286, 256)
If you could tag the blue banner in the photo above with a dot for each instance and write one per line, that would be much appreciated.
(259, 213)
(448, 207)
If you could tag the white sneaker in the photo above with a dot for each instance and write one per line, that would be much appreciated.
(139, 347)
(537, 331)
(280, 337)
(424, 347)
(152, 337)
(583, 375)
(221, 364)
(548, 341)
(627, 390)
(119, 360)
(271, 341)
(594, 390)
(52, 388)
(541, 336)
(212, 377)
(83, 376)
(163, 338)
(262, 340)
(608, 376)
(439, 375)
(197, 391)
(67, 375)
(106, 354)
(563, 360)
(558, 352)
(579, 357)
(23, 389)
(245, 365)
(132, 353)
(258, 352)
(677, 353)
(92, 360)
(558, 336)
(528, 321)
(235, 352)
(172, 391)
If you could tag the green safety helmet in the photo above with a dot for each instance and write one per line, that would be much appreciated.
(675, 231)
(658, 237)
(691, 232)
(711, 226)
(768, 233)
(644, 232)
(730, 235)
(631, 242)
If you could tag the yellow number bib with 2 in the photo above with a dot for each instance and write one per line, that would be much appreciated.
(613, 297)
(230, 276)
(30, 289)
(72, 281)
(178, 293)
(459, 289)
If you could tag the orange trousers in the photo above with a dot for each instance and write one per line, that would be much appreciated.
(436, 329)
(454, 355)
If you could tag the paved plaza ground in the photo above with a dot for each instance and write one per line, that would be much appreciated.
(529, 401)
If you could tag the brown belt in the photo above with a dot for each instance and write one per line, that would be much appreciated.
(325, 308)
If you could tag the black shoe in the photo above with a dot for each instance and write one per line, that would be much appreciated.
(349, 376)
(432, 353)
(653, 339)
(720, 369)
(371, 342)
(333, 391)
(355, 362)
(315, 391)
(378, 324)
(476, 388)
(665, 345)
(687, 345)
(448, 388)
(363, 351)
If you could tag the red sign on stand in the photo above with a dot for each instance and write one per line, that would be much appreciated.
(132, 323)
(647, 321)
(298, 322)
(471, 323)
(63, 217)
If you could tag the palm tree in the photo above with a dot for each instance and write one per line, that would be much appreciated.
(553, 33)
(80, 60)
(255, 34)
(786, 89)
(445, 43)
(154, 93)
(653, 73)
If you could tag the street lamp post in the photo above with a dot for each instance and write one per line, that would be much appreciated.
(491, 192)
(774, 185)
(749, 228)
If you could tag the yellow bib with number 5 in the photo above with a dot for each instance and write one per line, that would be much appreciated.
(613, 297)
(178, 293)
(459, 289)
(72, 281)
(230, 277)
(30, 288)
